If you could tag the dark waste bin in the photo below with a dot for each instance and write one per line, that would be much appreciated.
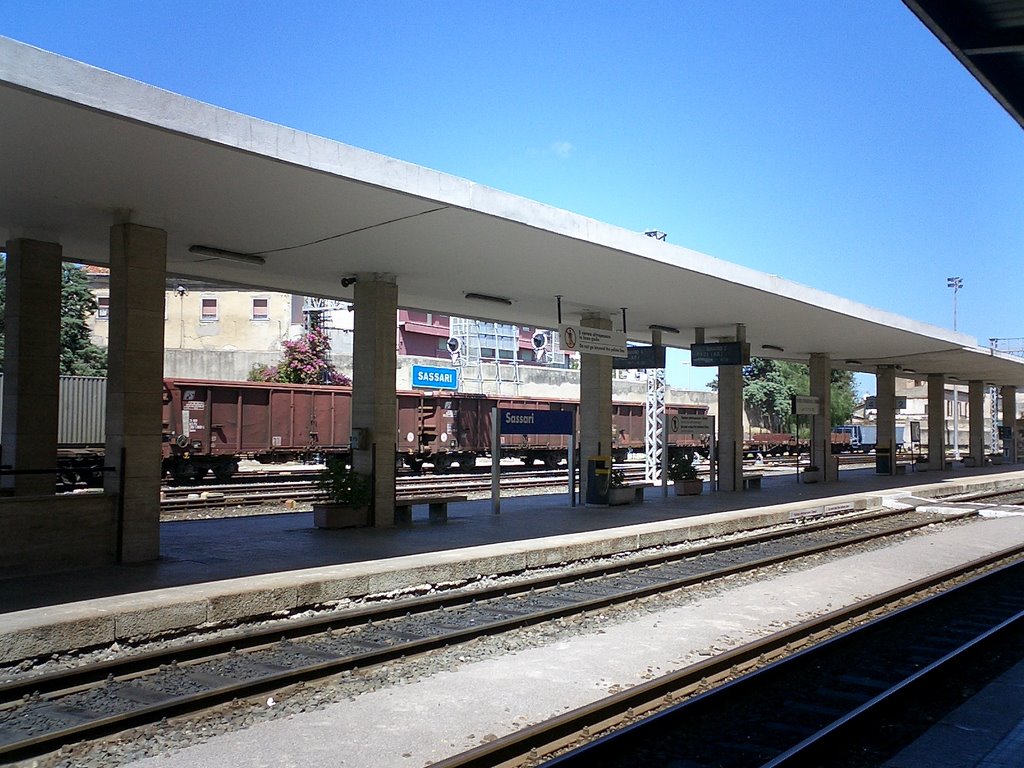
(599, 479)
(883, 461)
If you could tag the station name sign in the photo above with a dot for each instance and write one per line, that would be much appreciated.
(428, 377)
(593, 341)
(516, 421)
(641, 357)
(721, 353)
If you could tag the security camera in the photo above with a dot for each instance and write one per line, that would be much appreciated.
(347, 281)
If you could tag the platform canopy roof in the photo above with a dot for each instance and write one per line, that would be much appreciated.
(82, 149)
(987, 37)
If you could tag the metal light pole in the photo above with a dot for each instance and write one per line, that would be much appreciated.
(956, 283)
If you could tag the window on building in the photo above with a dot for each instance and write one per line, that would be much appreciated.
(102, 307)
(261, 309)
(209, 310)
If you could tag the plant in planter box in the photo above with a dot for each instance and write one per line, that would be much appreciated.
(683, 475)
(618, 492)
(348, 496)
(811, 474)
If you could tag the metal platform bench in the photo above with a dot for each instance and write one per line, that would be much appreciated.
(438, 507)
(752, 482)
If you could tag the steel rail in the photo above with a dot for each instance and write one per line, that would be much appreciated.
(55, 684)
(597, 721)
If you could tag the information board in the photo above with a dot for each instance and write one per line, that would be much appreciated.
(594, 341)
(641, 357)
(722, 353)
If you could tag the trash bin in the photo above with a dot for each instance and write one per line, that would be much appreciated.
(883, 461)
(599, 479)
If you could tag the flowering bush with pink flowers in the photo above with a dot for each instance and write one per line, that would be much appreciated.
(307, 360)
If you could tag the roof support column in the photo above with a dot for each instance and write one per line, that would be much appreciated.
(821, 425)
(730, 423)
(976, 418)
(138, 273)
(1009, 397)
(936, 421)
(885, 402)
(32, 364)
(595, 400)
(374, 401)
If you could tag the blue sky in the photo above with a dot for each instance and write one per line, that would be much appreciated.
(837, 144)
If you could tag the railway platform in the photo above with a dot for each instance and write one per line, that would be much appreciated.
(223, 570)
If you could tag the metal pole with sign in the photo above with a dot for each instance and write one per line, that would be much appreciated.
(495, 461)
(572, 462)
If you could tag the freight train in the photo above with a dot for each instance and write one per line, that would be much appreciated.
(210, 425)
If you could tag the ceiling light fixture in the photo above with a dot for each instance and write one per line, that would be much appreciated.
(662, 328)
(853, 362)
(220, 253)
(772, 347)
(488, 297)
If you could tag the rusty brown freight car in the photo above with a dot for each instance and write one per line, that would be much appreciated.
(210, 425)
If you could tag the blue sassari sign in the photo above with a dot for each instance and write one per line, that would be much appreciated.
(435, 378)
(525, 422)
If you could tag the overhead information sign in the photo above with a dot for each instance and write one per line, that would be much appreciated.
(806, 406)
(592, 341)
(641, 357)
(520, 421)
(428, 377)
(691, 424)
(722, 353)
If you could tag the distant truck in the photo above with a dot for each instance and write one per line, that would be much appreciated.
(864, 437)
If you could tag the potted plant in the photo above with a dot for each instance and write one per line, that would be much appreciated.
(683, 475)
(811, 474)
(348, 496)
(618, 491)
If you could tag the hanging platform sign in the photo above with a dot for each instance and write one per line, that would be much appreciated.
(429, 377)
(520, 421)
(641, 357)
(592, 341)
(806, 406)
(691, 424)
(722, 353)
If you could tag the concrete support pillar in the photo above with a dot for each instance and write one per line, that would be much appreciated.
(595, 401)
(135, 354)
(1009, 397)
(885, 397)
(821, 425)
(976, 418)
(374, 403)
(936, 421)
(31, 364)
(730, 423)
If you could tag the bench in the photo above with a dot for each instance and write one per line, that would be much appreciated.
(752, 482)
(638, 491)
(438, 507)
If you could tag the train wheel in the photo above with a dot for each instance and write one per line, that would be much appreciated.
(225, 472)
(551, 461)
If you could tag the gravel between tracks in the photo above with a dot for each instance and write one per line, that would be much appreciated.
(418, 710)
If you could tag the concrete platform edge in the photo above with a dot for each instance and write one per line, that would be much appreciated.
(54, 629)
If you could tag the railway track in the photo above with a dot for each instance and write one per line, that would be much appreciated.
(43, 713)
(847, 689)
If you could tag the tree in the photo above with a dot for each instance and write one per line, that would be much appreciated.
(78, 355)
(307, 360)
(769, 385)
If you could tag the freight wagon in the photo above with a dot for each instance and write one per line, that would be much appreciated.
(209, 426)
